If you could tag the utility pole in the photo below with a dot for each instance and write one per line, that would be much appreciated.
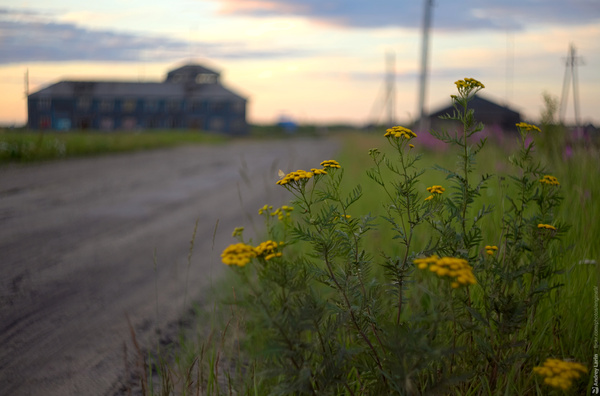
(424, 64)
(27, 98)
(391, 87)
(570, 75)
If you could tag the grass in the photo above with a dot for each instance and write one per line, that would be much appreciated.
(30, 146)
(25, 146)
(227, 339)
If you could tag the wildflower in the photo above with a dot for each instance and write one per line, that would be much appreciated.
(455, 268)
(434, 190)
(491, 249)
(560, 374)
(330, 164)
(550, 180)
(265, 208)
(528, 127)
(238, 254)
(237, 231)
(466, 86)
(300, 176)
(412, 146)
(268, 250)
(318, 171)
(282, 212)
(547, 226)
(398, 132)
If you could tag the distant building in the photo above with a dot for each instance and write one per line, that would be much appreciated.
(191, 97)
(486, 111)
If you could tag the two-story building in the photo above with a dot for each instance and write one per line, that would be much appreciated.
(191, 97)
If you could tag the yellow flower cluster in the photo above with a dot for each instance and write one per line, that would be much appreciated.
(398, 132)
(434, 190)
(282, 212)
(237, 231)
(318, 171)
(238, 254)
(296, 177)
(452, 267)
(267, 250)
(528, 127)
(468, 84)
(330, 164)
(547, 227)
(491, 249)
(560, 374)
(264, 209)
(551, 180)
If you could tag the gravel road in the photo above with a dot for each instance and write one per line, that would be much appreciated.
(84, 242)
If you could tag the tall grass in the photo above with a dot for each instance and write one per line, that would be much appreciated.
(227, 358)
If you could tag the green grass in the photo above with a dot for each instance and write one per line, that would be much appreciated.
(227, 338)
(29, 146)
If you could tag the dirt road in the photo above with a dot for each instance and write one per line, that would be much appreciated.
(84, 242)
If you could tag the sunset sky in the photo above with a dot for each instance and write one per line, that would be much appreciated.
(317, 61)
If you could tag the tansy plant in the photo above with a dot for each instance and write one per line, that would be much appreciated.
(328, 314)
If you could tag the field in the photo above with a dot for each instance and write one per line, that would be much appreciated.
(27, 146)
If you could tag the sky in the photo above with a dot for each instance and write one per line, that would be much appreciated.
(315, 61)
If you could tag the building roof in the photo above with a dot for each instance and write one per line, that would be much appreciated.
(482, 107)
(187, 86)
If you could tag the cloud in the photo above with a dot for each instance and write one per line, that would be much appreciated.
(27, 36)
(453, 15)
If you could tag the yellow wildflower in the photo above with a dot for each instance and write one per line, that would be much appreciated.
(412, 146)
(547, 227)
(398, 132)
(238, 254)
(528, 127)
(491, 249)
(282, 212)
(237, 231)
(330, 164)
(265, 208)
(436, 189)
(560, 374)
(457, 269)
(267, 250)
(467, 85)
(551, 180)
(318, 171)
(300, 176)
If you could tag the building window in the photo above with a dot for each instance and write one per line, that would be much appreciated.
(107, 105)
(129, 105)
(107, 123)
(238, 107)
(216, 124)
(217, 107)
(197, 106)
(206, 78)
(151, 105)
(44, 104)
(129, 123)
(45, 122)
(173, 105)
(84, 103)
